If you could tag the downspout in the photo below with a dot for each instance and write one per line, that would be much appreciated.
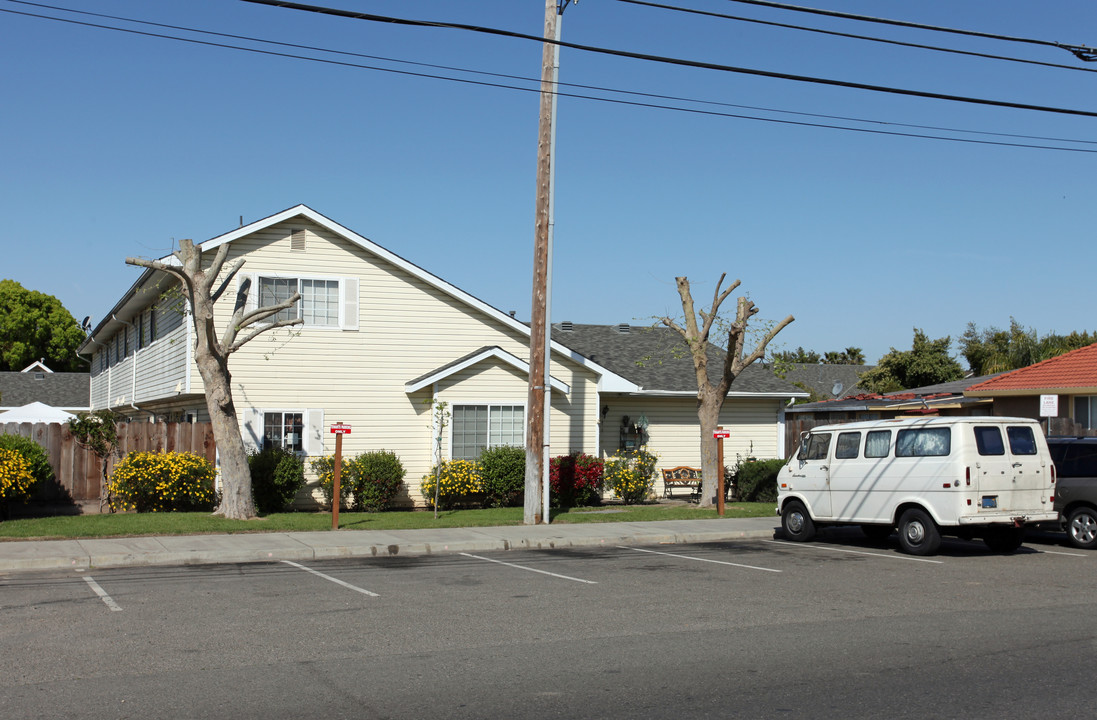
(134, 385)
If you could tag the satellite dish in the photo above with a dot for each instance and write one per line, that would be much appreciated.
(837, 389)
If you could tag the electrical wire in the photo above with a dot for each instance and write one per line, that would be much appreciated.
(633, 93)
(572, 95)
(853, 36)
(1080, 51)
(349, 14)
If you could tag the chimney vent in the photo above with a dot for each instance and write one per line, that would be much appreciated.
(567, 326)
(623, 328)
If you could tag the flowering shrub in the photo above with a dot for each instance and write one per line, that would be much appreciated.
(324, 467)
(576, 479)
(163, 482)
(34, 454)
(631, 475)
(503, 475)
(276, 476)
(378, 475)
(15, 477)
(459, 482)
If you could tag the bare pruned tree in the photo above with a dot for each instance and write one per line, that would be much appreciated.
(710, 397)
(202, 286)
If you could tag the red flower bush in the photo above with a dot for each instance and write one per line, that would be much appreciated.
(576, 480)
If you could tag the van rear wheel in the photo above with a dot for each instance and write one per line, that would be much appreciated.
(796, 522)
(918, 534)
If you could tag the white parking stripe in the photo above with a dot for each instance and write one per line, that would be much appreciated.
(107, 599)
(334, 580)
(1053, 552)
(522, 567)
(699, 559)
(855, 552)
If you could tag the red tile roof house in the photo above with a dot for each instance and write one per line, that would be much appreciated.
(1071, 378)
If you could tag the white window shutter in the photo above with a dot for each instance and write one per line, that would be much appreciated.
(350, 303)
(253, 293)
(314, 440)
(253, 429)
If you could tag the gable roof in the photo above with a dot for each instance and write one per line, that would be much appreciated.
(823, 378)
(493, 351)
(657, 361)
(1074, 372)
(134, 300)
(71, 391)
(929, 398)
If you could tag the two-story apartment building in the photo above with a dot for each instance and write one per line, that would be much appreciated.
(382, 340)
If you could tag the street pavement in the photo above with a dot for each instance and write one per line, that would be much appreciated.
(272, 547)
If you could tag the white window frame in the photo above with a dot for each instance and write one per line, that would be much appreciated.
(489, 405)
(283, 412)
(347, 298)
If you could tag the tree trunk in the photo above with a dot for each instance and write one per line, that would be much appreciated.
(708, 414)
(237, 502)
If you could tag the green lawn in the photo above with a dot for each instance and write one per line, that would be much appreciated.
(129, 524)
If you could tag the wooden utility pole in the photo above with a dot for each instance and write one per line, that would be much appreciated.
(542, 263)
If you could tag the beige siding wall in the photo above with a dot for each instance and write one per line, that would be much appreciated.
(406, 329)
(674, 432)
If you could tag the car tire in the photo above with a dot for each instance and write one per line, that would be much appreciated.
(1082, 528)
(1004, 540)
(918, 534)
(796, 522)
(877, 533)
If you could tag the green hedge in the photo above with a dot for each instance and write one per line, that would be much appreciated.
(757, 481)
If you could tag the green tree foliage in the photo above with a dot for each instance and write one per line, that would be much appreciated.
(995, 350)
(849, 356)
(35, 326)
(927, 363)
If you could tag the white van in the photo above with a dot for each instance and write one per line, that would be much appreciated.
(971, 477)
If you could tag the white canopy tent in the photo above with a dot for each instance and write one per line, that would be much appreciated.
(35, 412)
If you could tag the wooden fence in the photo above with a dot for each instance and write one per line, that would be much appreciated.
(78, 471)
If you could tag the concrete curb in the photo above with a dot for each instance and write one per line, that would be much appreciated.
(327, 545)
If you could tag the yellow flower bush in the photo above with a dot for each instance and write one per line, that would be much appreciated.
(631, 475)
(15, 476)
(459, 482)
(163, 482)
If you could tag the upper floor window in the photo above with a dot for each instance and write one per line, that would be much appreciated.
(319, 303)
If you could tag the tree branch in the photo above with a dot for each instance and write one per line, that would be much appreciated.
(224, 285)
(258, 331)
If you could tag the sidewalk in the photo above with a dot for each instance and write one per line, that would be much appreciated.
(272, 547)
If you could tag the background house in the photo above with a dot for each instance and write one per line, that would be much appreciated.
(1071, 379)
(68, 392)
(383, 341)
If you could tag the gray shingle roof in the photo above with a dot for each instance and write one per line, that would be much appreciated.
(822, 378)
(657, 359)
(61, 390)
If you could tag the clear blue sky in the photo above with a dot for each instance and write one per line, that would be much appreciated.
(115, 144)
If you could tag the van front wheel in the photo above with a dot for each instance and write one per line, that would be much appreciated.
(918, 534)
(796, 522)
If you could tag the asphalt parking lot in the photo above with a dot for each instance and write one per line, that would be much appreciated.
(605, 632)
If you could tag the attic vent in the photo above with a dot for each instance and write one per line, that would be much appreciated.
(567, 326)
(623, 328)
(39, 376)
(297, 240)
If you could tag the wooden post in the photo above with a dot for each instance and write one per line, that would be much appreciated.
(720, 469)
(335, 481)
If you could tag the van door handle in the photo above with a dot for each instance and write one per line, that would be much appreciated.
(824, 467)
(1016, 464)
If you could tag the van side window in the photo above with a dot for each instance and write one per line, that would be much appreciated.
(848, 444)
(988, 440)
(877, 443)
(1021, 440)
(815, 448)
(923, 442)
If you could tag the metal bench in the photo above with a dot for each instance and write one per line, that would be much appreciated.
(682, 477)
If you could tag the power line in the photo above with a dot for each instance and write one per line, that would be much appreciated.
(695, 111)
(672, 61)
(580, 86)
(853, 36)
(1080, 51)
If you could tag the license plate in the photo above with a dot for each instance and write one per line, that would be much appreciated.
(990, 501)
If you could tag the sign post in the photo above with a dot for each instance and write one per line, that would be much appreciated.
(339, 430)
(1049, 408)
(720, 433)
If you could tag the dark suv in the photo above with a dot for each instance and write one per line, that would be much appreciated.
(1076, 488)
